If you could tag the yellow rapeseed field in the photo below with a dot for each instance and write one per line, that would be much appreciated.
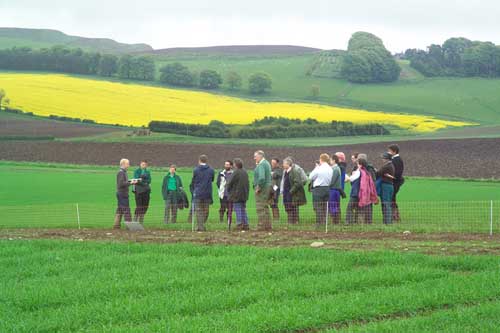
(135, 104)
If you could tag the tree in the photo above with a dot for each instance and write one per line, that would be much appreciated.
(259, 83)
(315, 90)
(233, 80)
(108, 65)
(367, 60)
(2, 96)
(177, 74)
(210, 79)
(125, 66)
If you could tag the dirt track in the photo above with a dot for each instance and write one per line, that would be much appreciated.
(467, 158)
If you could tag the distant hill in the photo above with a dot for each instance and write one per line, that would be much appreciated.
(38, 38)
(238, 50)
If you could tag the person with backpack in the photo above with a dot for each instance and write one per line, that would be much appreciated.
(171, 192)
(238, 188)
(321, 177)
(292, 185)
(222, 179)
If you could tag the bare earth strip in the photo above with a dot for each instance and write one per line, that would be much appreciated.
(464, 158)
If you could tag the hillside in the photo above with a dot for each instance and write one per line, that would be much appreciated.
(38, 38)
(237, 50)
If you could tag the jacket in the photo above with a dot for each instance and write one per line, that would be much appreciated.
(296, 186)
(387, 168)
(367, 190)
(238, 186)
(201, 184)
(336, 182)
(122, 183)
(164, 186)
(262, 175)
(144, 185)
(222, 178)
(398, 169)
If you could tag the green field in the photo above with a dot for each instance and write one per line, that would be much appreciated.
(46, 196)
(50, 286)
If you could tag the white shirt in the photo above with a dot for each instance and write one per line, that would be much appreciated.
(322, 175)
(354, 175)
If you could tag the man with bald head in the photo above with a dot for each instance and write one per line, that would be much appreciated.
(122, 185)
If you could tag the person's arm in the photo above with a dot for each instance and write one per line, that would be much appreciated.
(218, 179)
(164, 188)
(314, 174)
(137, 173)
(335, 176)
(193, 182)
(229, 184)
(147, 179)
(354, 176)
(121, 181)
(180, 183)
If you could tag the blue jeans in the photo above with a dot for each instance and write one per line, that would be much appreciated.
(241, 213)
(387, 190)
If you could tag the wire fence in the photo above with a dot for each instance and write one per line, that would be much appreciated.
(428, 217)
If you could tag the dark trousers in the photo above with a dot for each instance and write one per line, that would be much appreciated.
(366, 213)
(395, 208)
(352, 211)
(292, 212)
(141, 205)
(320, 195)
(387, 193)
(123, 209)
(226, 208)
(171, 206)
(334, 206)
(274, 206)
(201, 208)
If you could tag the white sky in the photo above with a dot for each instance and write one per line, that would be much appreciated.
(324, 24)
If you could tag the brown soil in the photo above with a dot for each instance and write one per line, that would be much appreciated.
(465, 158)
(436, 243)
(12, 126)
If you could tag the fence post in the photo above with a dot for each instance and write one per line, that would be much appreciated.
(78, 215)
(326, 221)
(491, 218)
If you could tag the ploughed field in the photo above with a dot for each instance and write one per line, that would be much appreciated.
(121, 287)
(466, 158)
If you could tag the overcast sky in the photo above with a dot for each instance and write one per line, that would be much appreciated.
(324, 24)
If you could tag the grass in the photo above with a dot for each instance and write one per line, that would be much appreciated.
(90, 286)
(45, 195)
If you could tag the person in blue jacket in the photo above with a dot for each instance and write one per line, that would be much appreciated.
(201, 186)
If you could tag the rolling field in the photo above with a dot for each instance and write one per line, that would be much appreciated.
(121, 287)
(134, 104)
(46, 196)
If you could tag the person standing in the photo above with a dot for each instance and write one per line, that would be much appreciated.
(170, 189)
(122, 184)
(386, 175)
(276, 176)
(367, 190)
(353, 205)
(222, 179)
(343, 168)
(201, 185)
(142, 191)
(292, 186)
(398, 178)
(336, 191)
(262, 186)
(321, 177)
(239, 187)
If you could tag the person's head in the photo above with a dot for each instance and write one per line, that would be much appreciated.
(287, 163)
(275, 163)
(324, 158)
(334, 160)
(228, 165)
(258, 156)
(354, 157)
(173, 168)
(341, 156)
(393, 149)
(363, 156)
(124, 163)
(203, 159)
(362, 163)
(238, 163)
(144, 164)
(386, 157)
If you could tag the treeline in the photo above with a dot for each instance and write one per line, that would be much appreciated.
(367, 60)
(269, 128)
(457, 57)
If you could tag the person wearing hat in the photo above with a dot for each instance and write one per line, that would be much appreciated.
(386, 176)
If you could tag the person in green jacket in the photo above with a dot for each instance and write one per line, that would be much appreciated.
(262, 184)
(172, 184)
(142, 191)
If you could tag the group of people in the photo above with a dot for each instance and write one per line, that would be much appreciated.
(273, 182)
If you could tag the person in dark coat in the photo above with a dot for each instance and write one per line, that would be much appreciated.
(171, 192)
(398, 178)
(276, 176)
(122, 191)
(293, 191)
(201, 185)
(222, 179)
(386, 175)
(239, 188)
(142, 191)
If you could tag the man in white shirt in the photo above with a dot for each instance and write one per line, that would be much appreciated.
(321, 177)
